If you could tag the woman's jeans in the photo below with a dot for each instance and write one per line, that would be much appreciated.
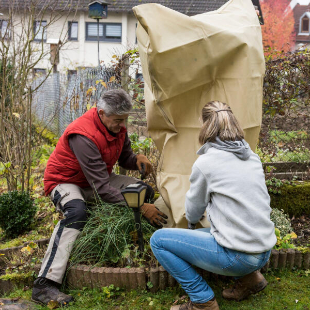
(178, 249)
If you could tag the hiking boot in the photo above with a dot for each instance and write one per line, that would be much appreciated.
(45, 291)
(249, 284)
(210, 305)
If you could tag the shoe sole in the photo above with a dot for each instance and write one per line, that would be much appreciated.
(258, 288)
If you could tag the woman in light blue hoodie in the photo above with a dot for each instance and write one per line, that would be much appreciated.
(228, 182)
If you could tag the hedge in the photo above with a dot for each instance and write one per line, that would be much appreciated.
(294, 199)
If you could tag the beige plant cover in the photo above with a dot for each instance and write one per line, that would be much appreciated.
(187, 62)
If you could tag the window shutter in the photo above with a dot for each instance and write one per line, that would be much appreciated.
(92, 30)
(114, 31)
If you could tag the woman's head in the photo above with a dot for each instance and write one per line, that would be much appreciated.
(219, 121)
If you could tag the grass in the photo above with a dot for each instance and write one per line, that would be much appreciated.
(108, 238)
(286, 290)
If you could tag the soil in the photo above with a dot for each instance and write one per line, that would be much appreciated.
(301, 227)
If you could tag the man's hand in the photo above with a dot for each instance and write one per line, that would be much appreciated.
(153, 215)
(141, 159)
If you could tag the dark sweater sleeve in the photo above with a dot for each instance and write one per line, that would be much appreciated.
(94, 168)
(128, 159)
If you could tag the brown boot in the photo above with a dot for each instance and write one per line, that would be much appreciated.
(249, 284)
(210, 305)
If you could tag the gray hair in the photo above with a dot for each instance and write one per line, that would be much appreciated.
(115, 102)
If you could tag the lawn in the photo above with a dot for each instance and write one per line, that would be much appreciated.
(286, 290)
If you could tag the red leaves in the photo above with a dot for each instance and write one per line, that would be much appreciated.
(278, 31)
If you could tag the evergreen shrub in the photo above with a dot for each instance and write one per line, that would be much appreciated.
(17, 212)
(294, 199)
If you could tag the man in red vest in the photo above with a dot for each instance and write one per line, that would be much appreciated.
(80, 166)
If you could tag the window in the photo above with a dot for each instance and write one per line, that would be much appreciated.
(305, 24)
(107, 32)
(38, 72)
(136, 34)
(139, 76)
(140, 80)
(72, 75)
(39, 30)
(5, 31)
(73, 31)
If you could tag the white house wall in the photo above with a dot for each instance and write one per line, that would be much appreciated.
(83, 53)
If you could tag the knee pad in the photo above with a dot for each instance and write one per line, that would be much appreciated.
(75, 213)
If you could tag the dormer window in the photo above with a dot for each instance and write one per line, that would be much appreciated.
(305, 24)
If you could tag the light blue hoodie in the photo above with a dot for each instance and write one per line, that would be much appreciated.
(228, 180)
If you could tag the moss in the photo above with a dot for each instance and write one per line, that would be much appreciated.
(47, 134)
(294, 199)
(16, 277)
(21, 240)
(11, 244)
(303, 249)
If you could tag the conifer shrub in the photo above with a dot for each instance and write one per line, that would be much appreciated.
(17, 212)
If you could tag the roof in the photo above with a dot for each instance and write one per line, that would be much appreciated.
(293, 3)
(188, 7)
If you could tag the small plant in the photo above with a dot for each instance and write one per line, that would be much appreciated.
(281, 222)
(17, 212)
(274, 185)
(138, 146)
(111, 291)
(284, 242)
(278, 136)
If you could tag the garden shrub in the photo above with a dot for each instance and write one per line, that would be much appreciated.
(294, 199)
(17, 212)
(281, 222)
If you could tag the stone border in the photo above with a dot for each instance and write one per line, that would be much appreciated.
(81, 276)
(290, 258)
(133, 278)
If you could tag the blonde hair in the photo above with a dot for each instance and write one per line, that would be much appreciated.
(219, 121)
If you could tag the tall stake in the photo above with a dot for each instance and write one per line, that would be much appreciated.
(98, 40)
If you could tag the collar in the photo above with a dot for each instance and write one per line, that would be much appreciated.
(104, 129)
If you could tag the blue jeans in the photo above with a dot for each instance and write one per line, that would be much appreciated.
(178, 249)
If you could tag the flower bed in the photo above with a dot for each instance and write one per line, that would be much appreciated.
(154, 279)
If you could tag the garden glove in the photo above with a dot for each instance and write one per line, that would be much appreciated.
(141, 159)
(155, 217)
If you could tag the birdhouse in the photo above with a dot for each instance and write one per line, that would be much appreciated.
(98, 9)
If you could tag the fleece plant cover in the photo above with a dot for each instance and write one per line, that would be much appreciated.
(187, 62)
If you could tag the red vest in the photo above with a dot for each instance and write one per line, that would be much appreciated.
(63, 167)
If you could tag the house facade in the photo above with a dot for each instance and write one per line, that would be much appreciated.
(301, 10)
(117, 32)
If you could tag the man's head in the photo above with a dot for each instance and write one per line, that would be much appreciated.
(113, 109)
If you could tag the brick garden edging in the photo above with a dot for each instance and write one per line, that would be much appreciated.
(132, 278)
(137, 278)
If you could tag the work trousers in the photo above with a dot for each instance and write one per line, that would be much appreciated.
(71, 200)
